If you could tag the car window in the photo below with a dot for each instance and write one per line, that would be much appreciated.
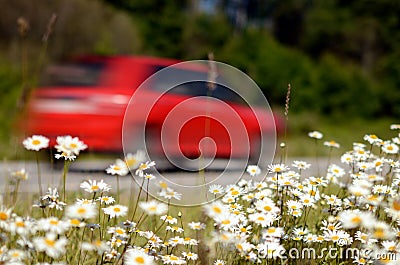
(73, 75)
(167, 80)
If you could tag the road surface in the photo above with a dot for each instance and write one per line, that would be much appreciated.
(189, 184)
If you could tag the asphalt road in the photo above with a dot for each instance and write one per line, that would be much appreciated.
(189, 184)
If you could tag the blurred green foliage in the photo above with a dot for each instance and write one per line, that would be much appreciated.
(341, 57)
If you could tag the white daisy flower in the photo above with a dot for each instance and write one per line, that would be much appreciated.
(253, 170)
(137, 257)
(277, 168)
(390, 148)
(372, 139)
(53, 225)
(216, 189)
(196, 225)
(81, 211)
(190, 255)
(92, 186)
(69, 146)
(99, 246)
(219, 262)
(172, 259)
(315, 135)
(215, 209)
(395, 127)
(169, 219)
(301, 165)
(332, 144)
(52, 246)
(65, 156)
(153, 207)
(106, 200)
(118, 168)
(143, 166)
(133, 161)
(15, 255)
(20, 174)
(116, 210)
(169, 193)
(36, 142)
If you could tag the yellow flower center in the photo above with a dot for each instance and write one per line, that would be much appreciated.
(226, 222)
(139, 260)
(356, 219)
(235, 192)
(396, 205)
(36, 142)
(50, 242)
(20, 224)
(75, 222)
(267, 208)
(82, 210)
(117, 209)
(3, 216)
(217, 209)
(131, 162)
(163, 185)
(379, 233)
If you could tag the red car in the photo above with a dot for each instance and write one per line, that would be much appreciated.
(89, 98)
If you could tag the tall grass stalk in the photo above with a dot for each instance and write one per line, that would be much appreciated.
(287, 101)
(39, 175)
(64, 178)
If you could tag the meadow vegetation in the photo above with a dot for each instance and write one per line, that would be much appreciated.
(347, 214)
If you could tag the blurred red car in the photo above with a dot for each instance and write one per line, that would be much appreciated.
(88, 97)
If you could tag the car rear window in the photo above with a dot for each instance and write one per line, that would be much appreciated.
(73, 75)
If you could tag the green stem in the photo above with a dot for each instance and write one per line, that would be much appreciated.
(39, 175)
(66, 164)
(137, 200)
(118, 188)
(16, 191)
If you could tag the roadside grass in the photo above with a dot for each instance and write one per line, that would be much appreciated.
(344, 131)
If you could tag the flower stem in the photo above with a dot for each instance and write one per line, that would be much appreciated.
(39, 175)
(66, 165)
